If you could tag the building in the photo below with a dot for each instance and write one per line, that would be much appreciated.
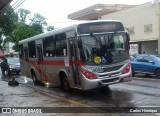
(96, 11)
(143, 24)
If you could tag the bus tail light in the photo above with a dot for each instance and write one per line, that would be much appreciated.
(126, 69)
(88, 74)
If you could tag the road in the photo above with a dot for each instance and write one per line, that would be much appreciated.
(141, 91)
(138, 92)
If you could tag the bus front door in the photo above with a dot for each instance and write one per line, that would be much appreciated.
(74, 65)
(40, 65)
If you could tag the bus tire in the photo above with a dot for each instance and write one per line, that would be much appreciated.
(64, 84)
(34, 78)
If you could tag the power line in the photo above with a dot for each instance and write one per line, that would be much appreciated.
(17, 4)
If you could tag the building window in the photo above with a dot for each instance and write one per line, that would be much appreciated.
(131, 30)
(148, 28)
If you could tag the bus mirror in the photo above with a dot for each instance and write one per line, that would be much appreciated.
(79, 44)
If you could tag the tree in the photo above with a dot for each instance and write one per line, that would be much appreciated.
(16, 28)
(37, 27)
(21, 32)
(23, 14)
(50, 28)
(8, 19)
(38, 22)
(38, 19)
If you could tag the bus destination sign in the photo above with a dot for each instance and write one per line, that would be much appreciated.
(100, 27)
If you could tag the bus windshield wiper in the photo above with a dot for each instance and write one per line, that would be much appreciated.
(96, 39)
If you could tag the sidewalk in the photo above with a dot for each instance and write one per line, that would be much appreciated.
(22, 96)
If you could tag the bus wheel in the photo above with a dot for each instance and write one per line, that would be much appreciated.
(64, 84)
(34, 78)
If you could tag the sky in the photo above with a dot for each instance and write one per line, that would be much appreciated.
(56, 11)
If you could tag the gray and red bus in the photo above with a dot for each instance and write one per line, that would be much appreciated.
(85, 55)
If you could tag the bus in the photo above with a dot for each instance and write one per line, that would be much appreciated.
(84, 56)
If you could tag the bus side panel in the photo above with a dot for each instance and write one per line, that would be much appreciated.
(25, 68)
(52, 69)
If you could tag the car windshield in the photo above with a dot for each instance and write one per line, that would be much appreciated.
(13, 61)
(157, 58)
(103, 48)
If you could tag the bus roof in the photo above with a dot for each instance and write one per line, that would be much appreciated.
(64, 29)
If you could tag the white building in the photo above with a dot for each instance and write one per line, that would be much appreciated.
(143, 24)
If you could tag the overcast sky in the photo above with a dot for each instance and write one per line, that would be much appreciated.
(56, 11)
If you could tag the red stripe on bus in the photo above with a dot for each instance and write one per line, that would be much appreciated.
(59, 62)
(51, 62)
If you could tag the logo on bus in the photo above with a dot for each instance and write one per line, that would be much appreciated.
(97, 60)
(96, 69)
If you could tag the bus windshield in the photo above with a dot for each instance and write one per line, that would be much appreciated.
(104, 49)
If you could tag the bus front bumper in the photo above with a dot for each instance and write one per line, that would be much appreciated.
(100, 82)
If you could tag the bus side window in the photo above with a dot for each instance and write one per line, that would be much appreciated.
(61, 45)
(32, 49)
(49, 46)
